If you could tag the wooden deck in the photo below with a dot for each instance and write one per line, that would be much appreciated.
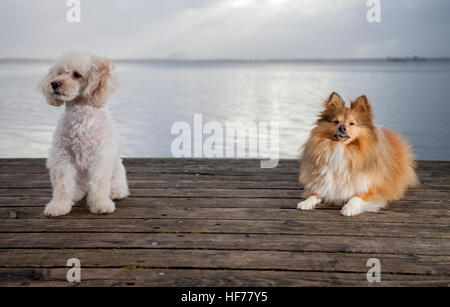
(196, 222)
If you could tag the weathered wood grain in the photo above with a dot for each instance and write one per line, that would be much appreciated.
(219, 259)
(431, 195)
(300, 243)
(422, 216)
(345, 228)
(220, 222)
(221, 202)
(163, 277)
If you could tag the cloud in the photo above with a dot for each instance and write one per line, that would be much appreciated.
(225, 28)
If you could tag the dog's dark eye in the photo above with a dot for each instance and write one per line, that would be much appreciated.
(76, 75)
(352, 124)
(336, 122)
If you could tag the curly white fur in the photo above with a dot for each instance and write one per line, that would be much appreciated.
(84, 157)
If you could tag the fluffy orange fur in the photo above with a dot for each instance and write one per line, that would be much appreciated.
(377, 165)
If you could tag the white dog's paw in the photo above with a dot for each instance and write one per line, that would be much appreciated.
(102, 206)
(309, 203)
(53, 209)
(354, 206)
(120, 193)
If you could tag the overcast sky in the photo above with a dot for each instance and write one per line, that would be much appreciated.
(226, 28)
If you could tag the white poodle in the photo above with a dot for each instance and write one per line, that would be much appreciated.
(84, 157)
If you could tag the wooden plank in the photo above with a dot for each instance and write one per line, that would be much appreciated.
(178, 192)
(423, 216)
(198, 184)
(220, 259)
(299, 243)
(206, 278)
(344, 228)
(430, 195)
(20, 181)
(220, 202)
(145, 180)
(18, 176)
(203, 184)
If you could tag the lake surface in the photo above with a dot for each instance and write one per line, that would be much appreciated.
(409, 97)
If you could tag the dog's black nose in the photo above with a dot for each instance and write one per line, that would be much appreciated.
(342, 129)
(55, 84)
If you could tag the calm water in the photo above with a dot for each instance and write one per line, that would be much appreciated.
(409, 97)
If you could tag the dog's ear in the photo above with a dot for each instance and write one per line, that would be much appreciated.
(334, 102)
(45, 88)
(362, 105)
(101, 82)
(332, 105)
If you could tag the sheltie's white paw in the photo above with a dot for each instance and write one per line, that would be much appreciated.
(309, 203)
(354, 206)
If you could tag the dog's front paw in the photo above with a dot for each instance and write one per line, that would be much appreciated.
(120, 193)
(53, 209)
(102, 206)
(306, 205)
(353, 207)
(309, 203)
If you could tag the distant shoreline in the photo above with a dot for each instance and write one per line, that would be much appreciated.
(168, 60)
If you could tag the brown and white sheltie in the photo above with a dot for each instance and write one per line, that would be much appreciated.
(348, 160)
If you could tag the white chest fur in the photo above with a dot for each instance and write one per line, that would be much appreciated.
(335, 182)
(85, 133)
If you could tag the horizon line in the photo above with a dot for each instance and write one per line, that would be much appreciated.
(406, 58)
